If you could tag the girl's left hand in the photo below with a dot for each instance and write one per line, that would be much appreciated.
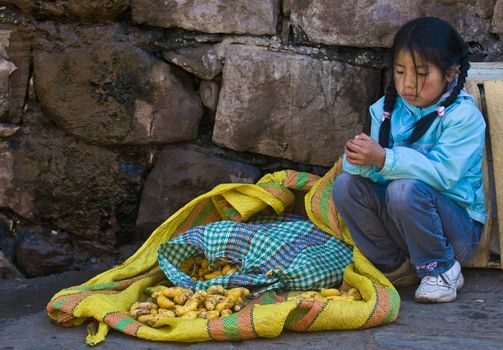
(363, 150)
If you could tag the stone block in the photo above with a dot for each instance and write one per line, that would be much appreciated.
(210, 16)
(291, 106)
(178, 176)
(362, 23)
(94, 11)
(111, 92)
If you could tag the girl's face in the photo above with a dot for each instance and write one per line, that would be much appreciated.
(421, 85)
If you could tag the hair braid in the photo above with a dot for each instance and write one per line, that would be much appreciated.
(389, 103)
(463, 72)
(423, 124)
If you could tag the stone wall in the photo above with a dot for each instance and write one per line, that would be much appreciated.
(114, 114)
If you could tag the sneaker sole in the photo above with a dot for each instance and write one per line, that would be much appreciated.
(427, 299)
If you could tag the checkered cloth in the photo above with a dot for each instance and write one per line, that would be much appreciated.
(302, 256)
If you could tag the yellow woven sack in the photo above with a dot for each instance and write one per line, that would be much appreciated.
(105, 299)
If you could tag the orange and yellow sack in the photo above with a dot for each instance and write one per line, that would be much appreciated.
(105, 299)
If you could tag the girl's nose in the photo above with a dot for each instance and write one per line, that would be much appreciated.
(409, 81)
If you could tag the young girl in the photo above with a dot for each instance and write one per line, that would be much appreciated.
(411, 194)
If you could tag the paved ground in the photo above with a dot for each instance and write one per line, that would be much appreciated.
(474, 321)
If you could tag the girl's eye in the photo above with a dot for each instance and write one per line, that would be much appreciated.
(398, 72)
(422, 74)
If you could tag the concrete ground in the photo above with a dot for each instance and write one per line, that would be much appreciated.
(474, 321)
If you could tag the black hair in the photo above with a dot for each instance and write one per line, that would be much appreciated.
(436, 42)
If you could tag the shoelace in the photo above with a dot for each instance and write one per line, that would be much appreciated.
(442, 280)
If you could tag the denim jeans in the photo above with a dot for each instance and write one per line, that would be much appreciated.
(405, 219)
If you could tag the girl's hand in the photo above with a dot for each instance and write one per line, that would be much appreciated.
(363, 150)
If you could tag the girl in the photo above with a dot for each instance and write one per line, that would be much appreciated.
(411, 194)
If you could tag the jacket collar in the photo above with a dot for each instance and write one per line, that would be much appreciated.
(420, 112)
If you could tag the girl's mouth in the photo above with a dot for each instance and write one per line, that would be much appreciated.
(409, 97)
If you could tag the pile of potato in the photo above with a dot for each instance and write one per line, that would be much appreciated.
(167, 302)
(200, 270)
(327, 294)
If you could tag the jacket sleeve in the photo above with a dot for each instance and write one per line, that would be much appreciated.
(369, 171)
(459, 146)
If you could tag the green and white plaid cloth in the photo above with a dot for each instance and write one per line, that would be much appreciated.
(302, 256)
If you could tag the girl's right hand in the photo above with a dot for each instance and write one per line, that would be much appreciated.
(363, 150)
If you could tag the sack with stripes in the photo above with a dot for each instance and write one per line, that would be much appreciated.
(104, 300)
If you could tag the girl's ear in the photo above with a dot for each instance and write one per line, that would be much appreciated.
(451, 73)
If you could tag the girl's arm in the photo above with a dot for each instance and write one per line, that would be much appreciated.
(459, 147)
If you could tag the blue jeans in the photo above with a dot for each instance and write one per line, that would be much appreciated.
(405, 219)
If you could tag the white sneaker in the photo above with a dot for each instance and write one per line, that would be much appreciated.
(442, 288)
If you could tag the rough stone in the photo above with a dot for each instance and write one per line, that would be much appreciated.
(462, 15)
(6, 69)
(364, 23)
(369, 23)
(209, 92)
(110, 92)
(495, 52)
(291, 106)
(201, 61)
(484, 8)
(7, 130)
(38, 255)
(15, 46)
(179, 175)
(497, 21)
(214, 16)
(6, 173)
(7, 238)
(88, 191)
(20, 53)
(77, 10)
(8, 270)
(92, 252)
(285, 30)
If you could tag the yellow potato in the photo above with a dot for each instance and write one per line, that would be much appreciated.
(226, 269)
(212, 300)
(165, 302)
(328, 292)
(210, 315)
(182, 298)
(225, 312)
(172, 292)
(226, 303)
(354, 294)
(212, 275)
(216, 290)
(191, 315)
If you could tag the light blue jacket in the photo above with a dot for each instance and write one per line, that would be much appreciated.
(448, 157)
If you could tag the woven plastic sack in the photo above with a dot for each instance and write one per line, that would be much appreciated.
(285, 252)
(105, 299)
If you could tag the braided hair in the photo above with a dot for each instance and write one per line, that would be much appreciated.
(438, 43)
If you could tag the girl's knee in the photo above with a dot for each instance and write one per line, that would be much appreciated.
(342, 187)
(400, 193)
